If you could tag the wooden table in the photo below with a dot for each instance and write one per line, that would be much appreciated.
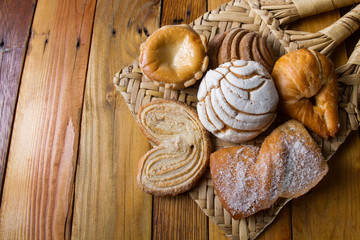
(69, 145)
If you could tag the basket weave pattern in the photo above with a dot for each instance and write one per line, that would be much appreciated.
(136, 91)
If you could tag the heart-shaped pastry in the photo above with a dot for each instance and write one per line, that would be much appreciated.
(182, 149)
(248, 179)
(307, 86)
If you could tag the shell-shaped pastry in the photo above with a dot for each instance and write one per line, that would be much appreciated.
(237, 101)
(238, 43)
(182, 149)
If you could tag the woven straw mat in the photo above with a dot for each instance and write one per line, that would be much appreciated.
(137, 91)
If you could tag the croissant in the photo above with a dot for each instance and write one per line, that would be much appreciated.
(248, 179)
(307, 86)
(182, 149)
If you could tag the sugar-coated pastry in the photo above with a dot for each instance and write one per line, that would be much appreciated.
(307, 85)
(237, 101)
(248, 179)
(174, 56)
(238, 43)
(182, 149)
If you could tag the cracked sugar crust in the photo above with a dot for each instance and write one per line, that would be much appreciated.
(237, 101)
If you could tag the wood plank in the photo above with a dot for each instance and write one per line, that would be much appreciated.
(214, 4)
(280, 228)
(181, 12)
(108, 203)
(15, 22)
(179, 217)
(39, 183)
(215, 232)
(330, 210)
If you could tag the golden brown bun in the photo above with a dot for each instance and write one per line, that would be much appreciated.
(248, 179)
(238, 43)
(182, 149)
(174, 56)
(301, 75)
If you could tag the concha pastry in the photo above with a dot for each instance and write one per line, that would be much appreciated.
(237, 43)
(237, 101)
(248, 179)
(174, 56)
(181, 152)
(307, 85)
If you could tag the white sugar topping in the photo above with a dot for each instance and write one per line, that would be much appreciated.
(238, 95)
(288, 168)
(233, 118)
(302, 166)
(251, 67)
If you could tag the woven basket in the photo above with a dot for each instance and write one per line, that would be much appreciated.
(137, 91)
(281, 12)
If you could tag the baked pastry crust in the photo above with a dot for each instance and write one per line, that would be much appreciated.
(238, 43)
(237, 101)
(302, 76)
(181, 152)
(248, 179)
(174, 56)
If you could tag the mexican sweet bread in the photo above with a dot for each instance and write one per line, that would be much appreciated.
(307, 85)
(174, 56)
(181, 152)
(248, 179)
(237, 101)
(238, 43)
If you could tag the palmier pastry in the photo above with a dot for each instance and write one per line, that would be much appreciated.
(303, 77)
(181, 152)
(248, 179)
(237, 101)
(174, 56)
(237, 43)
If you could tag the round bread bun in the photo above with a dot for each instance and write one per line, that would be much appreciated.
(174, 56)
(237, 101)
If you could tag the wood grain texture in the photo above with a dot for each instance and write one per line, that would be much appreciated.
(215, 232)
(280, 228)
(181, 12)
(13, 42)
(39, 183)
(329, 210)
(214, 4)
(179, 217)
(332, 211)
(108, 203)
